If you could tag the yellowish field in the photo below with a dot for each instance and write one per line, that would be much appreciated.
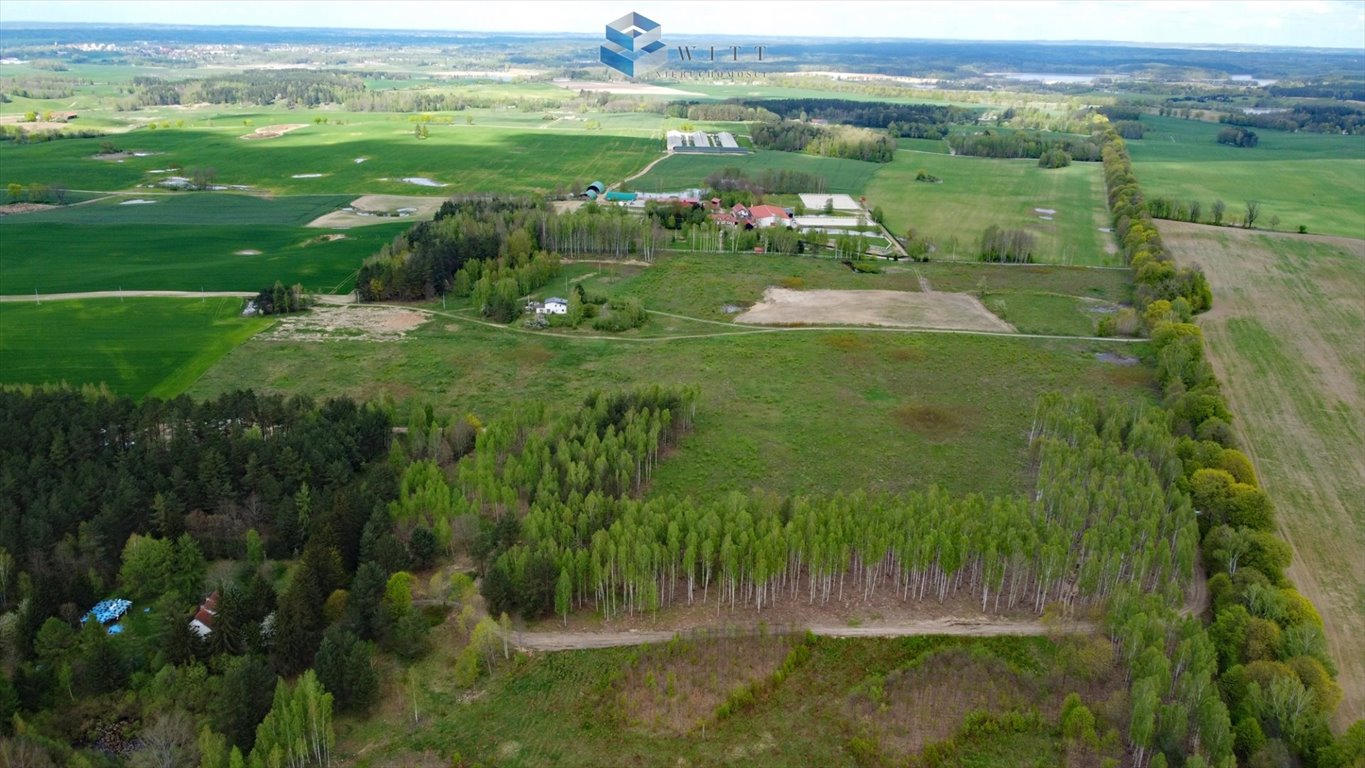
(1286, 340)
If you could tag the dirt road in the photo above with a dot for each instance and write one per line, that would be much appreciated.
(979, 627)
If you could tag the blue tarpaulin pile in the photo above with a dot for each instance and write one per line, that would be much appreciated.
(106, 611)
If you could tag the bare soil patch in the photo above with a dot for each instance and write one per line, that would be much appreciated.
(332, 238)
(930, 421)
(897, 309)
(273, 131)
(380, 209)
(247, 252)
(12, 209)
(346, 324)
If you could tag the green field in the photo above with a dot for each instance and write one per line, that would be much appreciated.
(790, 411)
(139, 347)
(1311, 179)
(978, 192)
(843, 703)
(519, 157)
(184, 242)
(684, 171)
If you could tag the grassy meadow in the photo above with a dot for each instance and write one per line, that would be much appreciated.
(841, 703)
(1284, 336)
(1313, 179)
(785, 410)
(184, 241)
(138, 347)
(977, 192)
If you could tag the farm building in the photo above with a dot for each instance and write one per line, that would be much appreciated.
(202, 623)
(769, 216)
(701, 142)
(594, 189)
(551, 306)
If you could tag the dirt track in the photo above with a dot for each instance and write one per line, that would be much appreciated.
(896, 309)
(568, 641)
(1284, 340)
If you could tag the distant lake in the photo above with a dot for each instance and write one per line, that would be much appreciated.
(1049, 77)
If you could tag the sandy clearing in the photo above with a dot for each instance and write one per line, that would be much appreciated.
(273, 131)
(12, 209)
(344, 323)
(897, 309)
(380, 209)
(1281, 340)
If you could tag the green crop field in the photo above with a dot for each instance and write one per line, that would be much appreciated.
(1310, 179)
(1284, 336)
(684, 171)
(139, 347)
(184, 242)
(977, 192)
(840, 703)
(524, 157)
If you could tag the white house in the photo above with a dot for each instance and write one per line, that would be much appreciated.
(554, 306)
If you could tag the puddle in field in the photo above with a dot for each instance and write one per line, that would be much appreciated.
(307, 175)
(422, 181)
(138, 201)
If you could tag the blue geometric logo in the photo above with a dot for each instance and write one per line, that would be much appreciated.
(633, 46)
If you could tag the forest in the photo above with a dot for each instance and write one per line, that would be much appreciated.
(837, 141)
(497, 250)
(910, 120)
(294, 88)
(103, 497)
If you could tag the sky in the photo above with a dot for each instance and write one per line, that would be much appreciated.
(1310, 23)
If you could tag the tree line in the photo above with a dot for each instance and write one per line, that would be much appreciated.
(1023, 144)
(1271, 685)
(1156, 275)
(1317, 118)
